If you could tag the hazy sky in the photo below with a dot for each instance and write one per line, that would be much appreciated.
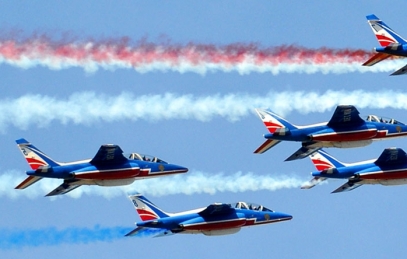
(68, 86)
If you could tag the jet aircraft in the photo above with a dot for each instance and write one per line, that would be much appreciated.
(216, 219)
(109, 167)
(392, 44)
(389, 169)
(346, 129)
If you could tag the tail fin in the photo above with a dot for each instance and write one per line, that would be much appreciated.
(384, 34)
(146, 209)
(35, 158)
(324, 161)
(273, 122)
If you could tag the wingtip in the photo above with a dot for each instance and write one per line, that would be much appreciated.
(293, 157)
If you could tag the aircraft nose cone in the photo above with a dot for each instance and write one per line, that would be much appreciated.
(180, 169)
(284, 216)
(183, 169)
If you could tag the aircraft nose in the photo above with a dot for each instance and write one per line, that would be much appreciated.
(283, 216)
(179, 169)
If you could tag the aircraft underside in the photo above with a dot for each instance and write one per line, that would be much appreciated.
(101, 182)
(391, 178)
(339, 144)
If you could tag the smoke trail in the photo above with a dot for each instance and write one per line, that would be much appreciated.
(51, 236)
(87, 108)
(145, 56)
(192, 183)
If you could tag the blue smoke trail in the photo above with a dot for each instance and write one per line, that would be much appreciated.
(14, 238)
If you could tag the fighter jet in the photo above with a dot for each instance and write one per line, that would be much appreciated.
(346, 129)
(216, 219)
(109, 167)
(389, 169)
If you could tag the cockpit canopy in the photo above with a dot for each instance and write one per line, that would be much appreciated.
(375, 118)
(142, 157)
(249, 206)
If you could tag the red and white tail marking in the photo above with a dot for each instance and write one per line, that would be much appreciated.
(320, 162)
(385, 40)
(32, 155)
(146, 209)
(35, 163)
(269, 120)
(146, 214)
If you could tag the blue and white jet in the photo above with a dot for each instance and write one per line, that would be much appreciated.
(392, 44)
(216, 219)
(346, 129)
(109, 167)
(389, 169)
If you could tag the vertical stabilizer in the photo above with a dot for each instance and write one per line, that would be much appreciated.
(323, 161)
(35, 158)
(273, 122)
(384, 34)
(146, 209)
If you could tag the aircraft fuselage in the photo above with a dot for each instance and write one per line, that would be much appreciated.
(325, 136)
(215, 225)
(86, 173)
(368, 174)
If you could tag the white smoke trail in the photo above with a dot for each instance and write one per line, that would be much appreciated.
(243, 68)
(87, 108)
(191, 183)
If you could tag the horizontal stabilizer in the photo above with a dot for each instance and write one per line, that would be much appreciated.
(314, 181)
(302, 152)
(135, 231)
(401, 71)
(269, 143)
(376, 59)
(349, 186)
(145, 232)
(62, 189)
(28, 181)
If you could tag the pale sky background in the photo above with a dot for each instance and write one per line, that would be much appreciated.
(368, 222)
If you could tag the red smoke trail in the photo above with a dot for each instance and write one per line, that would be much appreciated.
(41, 50)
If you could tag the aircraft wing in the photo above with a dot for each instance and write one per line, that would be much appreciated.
(269, 143)
(28, 181)
(146, 232)
(314, 181)
(401, 71)
(376, 59)
(216, 209)
(345, 115)
(63, 188)
(348, 186)
(302, 152)
(109, 155)
(392, 156)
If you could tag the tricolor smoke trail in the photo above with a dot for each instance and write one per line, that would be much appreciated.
(145, 56)
(194, 182)
(51, 236)
(87, 108)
